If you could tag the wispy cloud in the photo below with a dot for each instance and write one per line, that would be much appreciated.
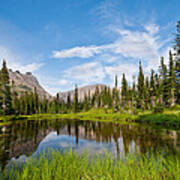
(129, 69)
(86, 73)
(15, 61)
(124, 34)
(144, 44)
(63, 82)
(25, 68)
(81, 52)
(152, 28)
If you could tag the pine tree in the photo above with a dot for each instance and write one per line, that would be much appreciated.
(14, 98)
(76, 99)
(172, 78)
(158, 89)
(32, 102)
(146, 93)
(45, 105)
(36, 101)
(56, 103)
(116, 81)
(152, 89)
(164, 82)
(89, 98)
(1, 95)
(129, 97)
(102, 97)
(7, 99)
(69, 101)
(141, 87)
(106, 98)
(177, 46)
(27, 101)
(177, 63)
(97, 97)
(134, 93)
(115, 95)
(109, 97)
(85, 103)
(124, 90)
(22, 104)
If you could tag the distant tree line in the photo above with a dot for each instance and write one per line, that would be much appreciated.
(160, 89)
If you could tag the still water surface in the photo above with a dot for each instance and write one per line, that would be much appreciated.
(27, 138)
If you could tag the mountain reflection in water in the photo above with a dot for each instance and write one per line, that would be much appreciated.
(28, 137)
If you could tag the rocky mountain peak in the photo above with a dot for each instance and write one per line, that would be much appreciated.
(27, 82)
(82, 91)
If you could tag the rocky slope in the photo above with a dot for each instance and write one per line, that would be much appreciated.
(82, 91)
(27, 82)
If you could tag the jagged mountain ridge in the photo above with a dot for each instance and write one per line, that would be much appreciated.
(82, 91)
(27, 82)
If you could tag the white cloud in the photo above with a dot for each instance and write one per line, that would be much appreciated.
(15, 61)
(25, 68)
(118, 57)
(109, 58)
(95, 72)
(86, 73)
(128, 69)
(82, 52)
(136, 44)
(152, 28)
(63, 82)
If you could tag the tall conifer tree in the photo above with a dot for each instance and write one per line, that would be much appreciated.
(164, 81)
(124, 89)
(152, 89)
(36, 100)
(116, 81)
(172, 78)
(7, 99)
(140, 86)
(177, 66)
(76, 99)
(115, 94)
(1, 95)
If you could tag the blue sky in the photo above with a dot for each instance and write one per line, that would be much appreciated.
(83, 42)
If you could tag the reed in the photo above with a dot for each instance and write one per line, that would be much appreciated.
(71, 166)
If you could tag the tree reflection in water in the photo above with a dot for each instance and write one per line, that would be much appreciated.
(23, 138)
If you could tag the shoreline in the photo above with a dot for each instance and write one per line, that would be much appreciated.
(170, 118)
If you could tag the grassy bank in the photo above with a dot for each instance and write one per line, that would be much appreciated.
(94, 115)
(170, 117)
(160, 119)
(72, 166)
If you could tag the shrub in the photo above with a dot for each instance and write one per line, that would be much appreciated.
(158, 109)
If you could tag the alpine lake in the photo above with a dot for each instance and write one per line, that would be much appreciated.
(22, 139)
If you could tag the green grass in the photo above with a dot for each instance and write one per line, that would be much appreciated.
(160, 118)
(93, 115)
(170, 117)
(70, 166)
